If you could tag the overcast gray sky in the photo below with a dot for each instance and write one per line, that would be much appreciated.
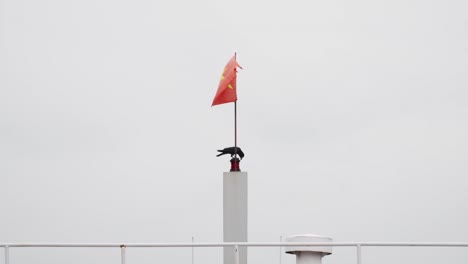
(353, 116)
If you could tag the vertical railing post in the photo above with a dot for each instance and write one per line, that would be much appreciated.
(122, 254)
(7, 255)
(358, 253)
(193, 253)
(281, 251)
(236, 254)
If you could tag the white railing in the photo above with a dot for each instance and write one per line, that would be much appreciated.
(236, 245)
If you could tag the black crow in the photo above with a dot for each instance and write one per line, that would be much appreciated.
(231, 150)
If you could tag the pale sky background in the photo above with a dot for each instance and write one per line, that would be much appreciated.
(353, 116)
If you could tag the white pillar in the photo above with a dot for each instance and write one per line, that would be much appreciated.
(308, 254)
(235, 214)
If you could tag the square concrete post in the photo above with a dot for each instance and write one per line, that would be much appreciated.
(235, 214)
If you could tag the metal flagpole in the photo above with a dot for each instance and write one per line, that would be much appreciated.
(235, 129)
(235, 115)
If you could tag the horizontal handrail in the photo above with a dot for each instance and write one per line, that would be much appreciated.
(236, 245)
(241, 244)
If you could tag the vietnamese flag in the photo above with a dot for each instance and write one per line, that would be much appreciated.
(227, 92)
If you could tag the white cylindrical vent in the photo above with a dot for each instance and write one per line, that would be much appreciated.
(305, 257)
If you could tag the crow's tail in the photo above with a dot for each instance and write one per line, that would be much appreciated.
(220, 154)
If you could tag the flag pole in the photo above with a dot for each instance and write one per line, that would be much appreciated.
(235, 116)
(235, 129)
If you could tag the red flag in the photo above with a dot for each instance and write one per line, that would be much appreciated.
(227, 92)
